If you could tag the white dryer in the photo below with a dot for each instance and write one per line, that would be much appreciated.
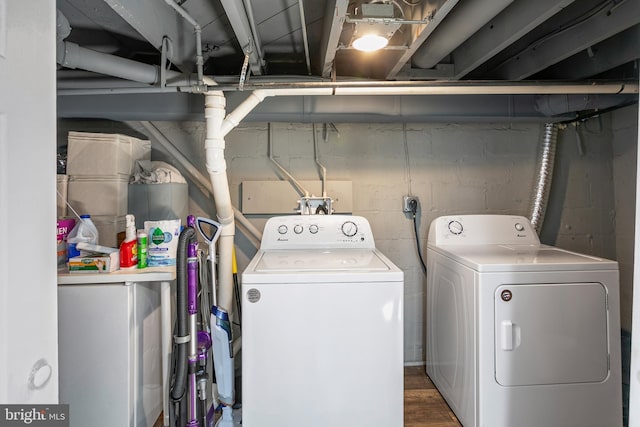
(322, 325)
(519, 333)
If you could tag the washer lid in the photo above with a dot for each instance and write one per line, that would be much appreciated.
(336, 260)
(486, 258)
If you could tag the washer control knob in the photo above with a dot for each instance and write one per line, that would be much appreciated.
(283, 229)
(349, 228)
(297, 229)
(455, 227)
(313, 228)
(519, 227)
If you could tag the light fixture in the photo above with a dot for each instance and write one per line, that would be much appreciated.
(370, 42)
(374, 28)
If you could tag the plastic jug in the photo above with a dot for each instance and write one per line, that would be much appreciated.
(84, 231)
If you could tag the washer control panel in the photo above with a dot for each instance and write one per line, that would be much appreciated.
(313, 231)
(482, 230)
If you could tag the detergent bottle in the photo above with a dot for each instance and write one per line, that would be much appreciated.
(84, 231)
(129, 247)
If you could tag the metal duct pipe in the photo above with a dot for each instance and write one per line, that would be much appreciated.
(70, 55)
(198, 31)
(542, 184)
(463, 21)
(554, 105)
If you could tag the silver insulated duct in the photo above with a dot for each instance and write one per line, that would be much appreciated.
(542, 183)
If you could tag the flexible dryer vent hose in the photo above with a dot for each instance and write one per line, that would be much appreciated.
(178, 391)
(542, 183)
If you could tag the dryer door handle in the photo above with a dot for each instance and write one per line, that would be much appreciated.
(510, 335)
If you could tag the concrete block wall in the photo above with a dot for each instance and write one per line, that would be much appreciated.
(624, 133)
(452, 168)
(582, 209)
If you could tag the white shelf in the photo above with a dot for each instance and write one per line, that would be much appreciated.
(149, 274)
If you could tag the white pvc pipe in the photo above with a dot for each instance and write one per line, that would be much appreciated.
(483, 89)
(214, 112)
(257, 96)
(200, 179)
(241, 111)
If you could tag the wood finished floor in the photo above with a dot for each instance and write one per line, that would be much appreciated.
(423, 405)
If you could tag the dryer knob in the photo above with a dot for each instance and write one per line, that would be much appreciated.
(282, 229)
(297, 229)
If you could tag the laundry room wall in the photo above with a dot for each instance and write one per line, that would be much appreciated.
(624, 134)
(458, 168)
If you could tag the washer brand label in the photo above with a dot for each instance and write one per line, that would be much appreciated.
(34, 415)
(253, 295)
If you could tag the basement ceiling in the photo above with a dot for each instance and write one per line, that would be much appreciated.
(271, 41)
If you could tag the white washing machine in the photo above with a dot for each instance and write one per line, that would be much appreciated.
(322, 325)
(519, 333)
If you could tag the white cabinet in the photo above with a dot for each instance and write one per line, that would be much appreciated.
(113, 349)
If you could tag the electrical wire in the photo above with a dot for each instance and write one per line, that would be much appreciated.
(566, 27)
(414, 209)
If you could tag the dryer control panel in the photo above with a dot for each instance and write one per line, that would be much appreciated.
(482, 230)
(317, 231)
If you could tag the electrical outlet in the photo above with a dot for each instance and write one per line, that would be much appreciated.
(407, 203)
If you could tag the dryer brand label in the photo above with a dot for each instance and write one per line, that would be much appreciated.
(253, 295)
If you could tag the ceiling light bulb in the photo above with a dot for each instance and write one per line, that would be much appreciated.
(370, 43)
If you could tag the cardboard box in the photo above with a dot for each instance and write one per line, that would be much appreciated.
(95, 263)
(103, 154)
(98, 195)
(61, 187)
(95, 259)
(63, 228)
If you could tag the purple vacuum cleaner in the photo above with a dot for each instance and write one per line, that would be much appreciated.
(193, 334)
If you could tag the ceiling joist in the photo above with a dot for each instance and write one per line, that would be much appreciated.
(509, 26)
(567, 42)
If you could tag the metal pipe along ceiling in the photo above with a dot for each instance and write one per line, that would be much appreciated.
(465, 19)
